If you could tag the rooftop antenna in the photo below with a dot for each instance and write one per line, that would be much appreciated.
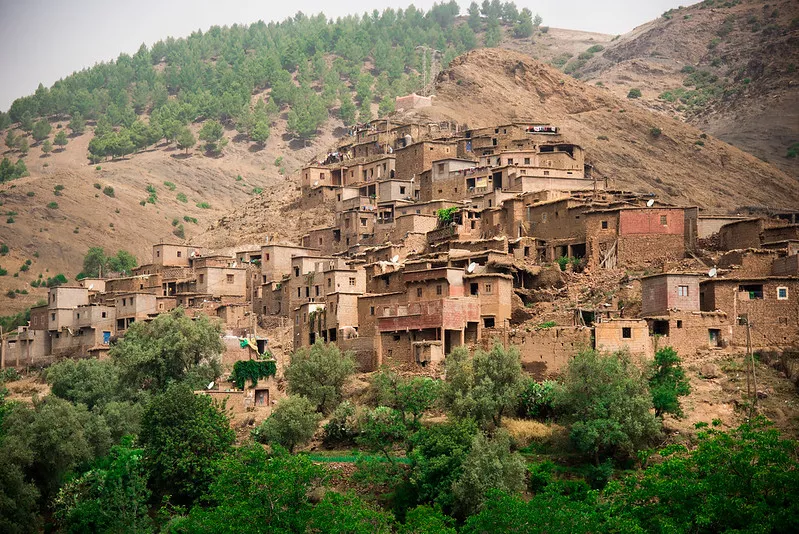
(650, 202)
(472, 266)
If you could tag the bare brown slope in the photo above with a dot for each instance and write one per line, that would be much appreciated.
(753, 50)
(488, 86)
(56, 239)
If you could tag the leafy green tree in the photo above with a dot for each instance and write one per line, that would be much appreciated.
(212, 133)
(26, 122)
(484, 387)
(424, 519)
(22, 145)
(744, 480)
(474, 21)
(77, 124)
(260, 131)
(94, 262)
(409, 396)
(437, 455)
(170, 348)
(493, 33)
(60, 139)
(381, 428)
(524, 28)
(387, 105)
(319, 373)
(667, 382)
(47, 147)
(183, 436)
(41, 130)
(490, 465)
(185, 139)
(293, 422)
(347, 109)
(90, 382)
(123, 262)
(11, 140)
(348, 513)
(608, 403)
(253, 492)
(111, 497)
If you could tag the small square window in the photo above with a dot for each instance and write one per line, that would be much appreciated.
(104, 315)
(682, 291)
(180, 254)
(782, 293)
(488, 288)
(604, 225)
(419, 292)
(626, 332)
(439, 289)
(679, 323)
(664, 220)
(371, 310)
(352, 280)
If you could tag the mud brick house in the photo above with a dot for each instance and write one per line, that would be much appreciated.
(669, 291)
(414, 159)
(770, 305)
(753, 232)
(629, 335)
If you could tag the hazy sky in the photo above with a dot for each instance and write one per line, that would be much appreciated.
(42, 41)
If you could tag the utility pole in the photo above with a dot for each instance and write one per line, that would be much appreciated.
(751, 388)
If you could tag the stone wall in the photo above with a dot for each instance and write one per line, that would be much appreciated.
(544, 353)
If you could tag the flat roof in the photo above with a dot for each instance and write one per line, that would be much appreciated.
(670, 274)
(793, 278)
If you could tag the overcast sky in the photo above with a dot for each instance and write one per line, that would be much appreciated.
(42, 41)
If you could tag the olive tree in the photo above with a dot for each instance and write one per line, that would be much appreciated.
(318, 373)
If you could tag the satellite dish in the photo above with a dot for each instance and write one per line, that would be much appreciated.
(472, 266)
(316, 183)
(395, 259)
(234, 265)
(712, 272)
(210, 385)
(650, 202)
(193, 253)
(91, 286)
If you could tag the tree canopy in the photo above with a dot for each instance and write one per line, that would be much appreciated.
(318, 373)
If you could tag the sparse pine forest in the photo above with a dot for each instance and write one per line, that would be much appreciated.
(243, 77)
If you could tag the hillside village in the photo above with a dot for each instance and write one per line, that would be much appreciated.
(446, 236)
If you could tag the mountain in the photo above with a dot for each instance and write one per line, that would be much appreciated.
(728, 68)
(494, 86)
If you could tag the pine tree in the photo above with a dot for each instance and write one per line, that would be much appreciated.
(61, 139)
(76, 124)
(41, 130)
(47, 147)
(186, 139)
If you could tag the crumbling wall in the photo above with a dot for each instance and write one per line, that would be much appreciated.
(545, 353)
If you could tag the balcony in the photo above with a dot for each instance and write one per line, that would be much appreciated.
(448, 313)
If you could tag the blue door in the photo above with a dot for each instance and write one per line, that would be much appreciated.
(106, 338)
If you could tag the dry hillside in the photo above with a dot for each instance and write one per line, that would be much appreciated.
(737, 60)
(491, 86)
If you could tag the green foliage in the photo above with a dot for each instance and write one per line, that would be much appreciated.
(793, 151)
(252, 370)
(667, 382)
(437, 455)
(183, 436)
(89, 382)
(348, 513)
(607, 400)
(108, 191)
(10, 171)
(60, 138)
(342, 426)
(634, 93)
(201, 205)
(445, 215)
(182, 197)
(212, 133)
(170, 348)
(380, 429)
(52, 205)
(170, 185)
(410, 396)
(655, 132)
(484, 387)
(186, 218)
(293, 422)
(744, 480)
(185, 139)
(318, 373)
(41, 130)
(95, 261)
(490, 465)
(47, 147)
(537, 398)
(56, 280)
(424, 519)
(111, 497)
(76, 124)
(255, 491)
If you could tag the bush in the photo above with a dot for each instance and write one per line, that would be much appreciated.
(203, 205)
(596, 48)
(179, 231)
(108, 191)
(97, 168)
(53, 205)
(30, 194)
(182, 197)
(655, 132)
(97, 186)
(602, 137)
(342, 428)
(170, 186)
(634, 93)
(537, 398)
(190, 219)
(293, 422)
(3, 249)
(318, 373)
